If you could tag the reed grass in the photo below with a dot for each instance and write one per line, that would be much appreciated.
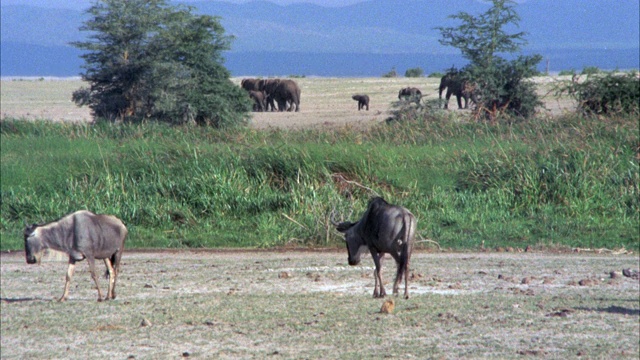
(570, 181)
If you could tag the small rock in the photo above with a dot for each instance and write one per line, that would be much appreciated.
(634, 274)
(561, 313)
(548, 280)
(387, 306)
(145, 322)
(588, 282)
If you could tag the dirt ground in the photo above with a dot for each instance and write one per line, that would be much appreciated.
(324, 101)
(311, 304)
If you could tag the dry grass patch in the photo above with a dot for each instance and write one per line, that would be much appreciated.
(235, 305)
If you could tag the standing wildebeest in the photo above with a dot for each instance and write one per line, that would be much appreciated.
(363, 100)
(383, 228)
(81, 235)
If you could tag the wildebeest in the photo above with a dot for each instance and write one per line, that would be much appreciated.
(81, 235)
(383, 229)
(363, 100)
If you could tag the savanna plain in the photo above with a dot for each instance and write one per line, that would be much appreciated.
(231, 253)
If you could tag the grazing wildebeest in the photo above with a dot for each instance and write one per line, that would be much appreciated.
(363, 100)
(81, 235)
(383, 229)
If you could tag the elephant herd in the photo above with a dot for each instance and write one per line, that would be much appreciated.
(266, 93)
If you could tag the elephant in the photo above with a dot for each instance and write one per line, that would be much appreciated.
(287, 94)
(250, 84)
(363, 100)
(410, 93)
(269, 87)
(457, 86)
(260, 100)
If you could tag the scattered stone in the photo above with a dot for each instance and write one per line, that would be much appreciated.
(588, 282)
(510, 279)
(561, 313)
(548, 280)
(232, 291)
(615, 274)
(387, 306)
(532, 352)
(634, 274)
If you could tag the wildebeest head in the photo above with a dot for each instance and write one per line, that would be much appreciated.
(33, 246)
(352, 238)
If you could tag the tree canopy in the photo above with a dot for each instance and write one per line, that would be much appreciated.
(148, 60)
(500, 84)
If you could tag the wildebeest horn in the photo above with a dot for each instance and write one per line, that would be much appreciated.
(331, 217)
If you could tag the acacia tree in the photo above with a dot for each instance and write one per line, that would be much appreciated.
(145, 59)
(500, 84)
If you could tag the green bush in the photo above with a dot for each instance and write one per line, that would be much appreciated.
(414, 73)
(590, 70)
(604, 94)
(391, 74)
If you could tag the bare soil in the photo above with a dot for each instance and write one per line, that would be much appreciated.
(311, 304)
(325, 101)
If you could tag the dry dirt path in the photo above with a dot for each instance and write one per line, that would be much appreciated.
(291, 304)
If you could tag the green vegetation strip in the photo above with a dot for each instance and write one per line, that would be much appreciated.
(572, 181)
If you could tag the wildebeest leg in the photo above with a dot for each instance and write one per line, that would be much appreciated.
(406, 279)
(92, 270)
(70, 270)
(111, 293)
(377, 275)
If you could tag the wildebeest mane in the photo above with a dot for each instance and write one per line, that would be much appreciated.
(376, 206)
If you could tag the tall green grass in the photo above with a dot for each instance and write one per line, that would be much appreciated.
(571, 181)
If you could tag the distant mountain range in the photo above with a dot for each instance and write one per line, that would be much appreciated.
(357, 40)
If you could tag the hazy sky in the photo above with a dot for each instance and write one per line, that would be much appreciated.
(82, 4)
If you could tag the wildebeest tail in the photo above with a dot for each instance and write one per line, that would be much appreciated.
(115, 262)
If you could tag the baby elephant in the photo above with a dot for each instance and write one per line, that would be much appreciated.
(363, 100)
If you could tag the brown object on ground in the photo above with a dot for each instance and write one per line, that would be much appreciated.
(387, 306)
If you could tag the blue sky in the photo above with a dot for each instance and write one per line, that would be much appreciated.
(82, 4)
